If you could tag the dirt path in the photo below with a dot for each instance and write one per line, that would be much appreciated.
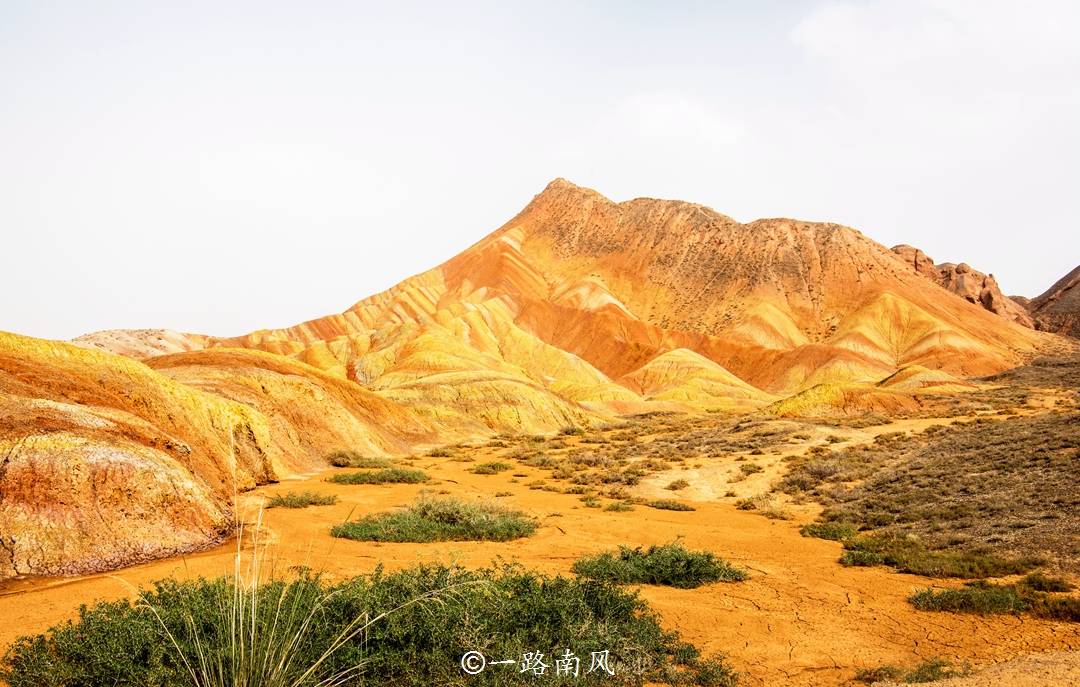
(801, 618)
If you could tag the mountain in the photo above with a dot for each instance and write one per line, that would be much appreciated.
(577, 292)
(1058, 309)
(133, 444)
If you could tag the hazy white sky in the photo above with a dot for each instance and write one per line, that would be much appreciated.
(219, 167)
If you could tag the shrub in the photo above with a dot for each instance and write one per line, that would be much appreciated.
(352, 459)
(440, 453)
(1043, 583)
(301, 499)
(910, 556)
(677, 485)
(833, 531)
(1056, 607)
(571, 431)
(883, 673)
(934, 669)
(433, 615)
(446, 519)
(492, 468)
(387, 476)
(671, 565)
(976, 597)
(668, 504)
(619, 507)
(750, 468)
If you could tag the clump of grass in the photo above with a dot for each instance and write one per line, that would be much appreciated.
(930, 670)
(301, 499)
(833, 531)
(668, 504)
(352, 459)
(387, 476)
(407, 629)
(671, 565)
(446, 519)
(491, 468)
(910, 556)
(571, 431)
(1040, 582)
(440, 453)
(619, 507)
(976, 597)
(1056, 607)
(750, 468)
(677, 485)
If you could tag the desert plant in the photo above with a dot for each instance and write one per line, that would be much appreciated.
(387, 476)
(491, 468)
(301, 499)
(352, 459)
(671, 564)
(445, 519)
(408, 629)
(975, 597)
(668, 504)
(677, 485)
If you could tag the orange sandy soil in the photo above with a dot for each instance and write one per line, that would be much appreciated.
(800, 619)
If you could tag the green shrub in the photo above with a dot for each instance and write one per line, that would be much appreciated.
(301, 499)
(833, 531)
(387, 476)
(671, 565)
(447, 519)
(1039, 582)
(619, 507)
(934, 669)
(975, 597)
(668, 504)
(883, 673)
(435, 614)
(1056, 608)
(492, 468)
(352, 459)
(930, 670)
(910, 556)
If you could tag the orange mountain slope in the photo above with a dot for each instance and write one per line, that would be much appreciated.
(590, 292)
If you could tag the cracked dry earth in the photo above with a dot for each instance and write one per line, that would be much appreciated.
(800, 618)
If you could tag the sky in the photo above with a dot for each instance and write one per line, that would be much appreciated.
(220, 167)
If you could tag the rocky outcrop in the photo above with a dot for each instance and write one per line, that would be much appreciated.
(1058, 309)
(970, 284)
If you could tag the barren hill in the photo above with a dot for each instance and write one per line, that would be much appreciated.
(582, 290)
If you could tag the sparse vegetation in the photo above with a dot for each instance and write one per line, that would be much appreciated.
(911, 556)
(301, 499)
(352, 459)
(834, 531)
(677, 485)
(668, 504)
(930, 670)
(387, 476)
(491, 468)
(435, 615)
(671, 564)
(440, 519)
(975, 597)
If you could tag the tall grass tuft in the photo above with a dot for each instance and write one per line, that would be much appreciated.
(440, 519)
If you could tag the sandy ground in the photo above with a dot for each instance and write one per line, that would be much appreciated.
(800, 619)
